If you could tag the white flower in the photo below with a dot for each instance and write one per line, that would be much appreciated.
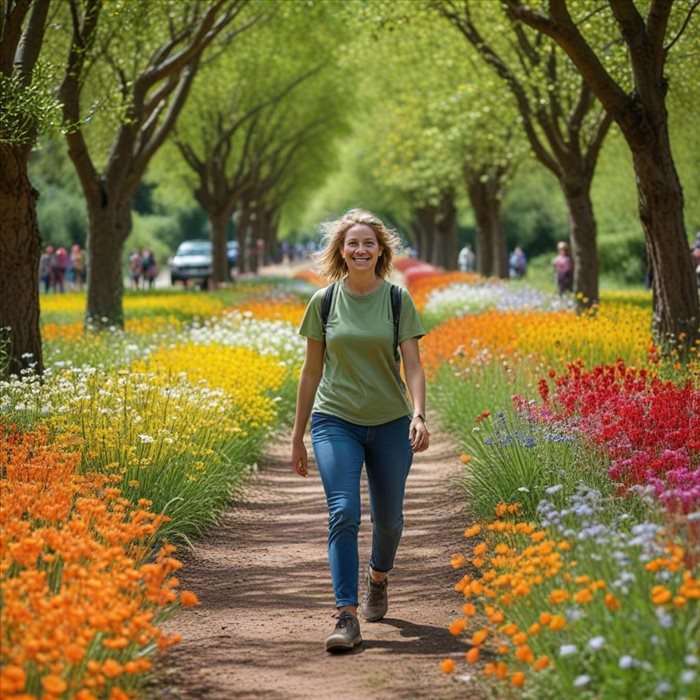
(567, 649)
(691, 660)
(145, 438)
(688, 676)
(553, 489)
(596, 643)
(582, 681)
(627, 661)
(663, 687)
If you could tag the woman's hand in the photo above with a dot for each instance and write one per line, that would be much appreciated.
(418, 435)
(299, 458)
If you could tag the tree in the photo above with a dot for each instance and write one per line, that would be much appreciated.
(25, 109)
(637, 103)
(253, 117)
(140, 59)
(559, 114)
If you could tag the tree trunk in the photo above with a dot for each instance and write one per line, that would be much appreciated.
(485, 235)
(424, 228)
(446, 227)
(20, 249)
(243, 237)
(661, 213)
(110, 226)
(584, 233)
(219, 221)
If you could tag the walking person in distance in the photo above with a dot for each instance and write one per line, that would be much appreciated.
(352, 388)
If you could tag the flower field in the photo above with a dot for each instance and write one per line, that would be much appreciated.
(581, 449)
(131, 443)
(581, 459)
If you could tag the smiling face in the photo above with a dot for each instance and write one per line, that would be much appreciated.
(360, 249)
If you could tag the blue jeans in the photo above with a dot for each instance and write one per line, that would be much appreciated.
(341, 448)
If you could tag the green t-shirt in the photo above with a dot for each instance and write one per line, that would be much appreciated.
(360, 381)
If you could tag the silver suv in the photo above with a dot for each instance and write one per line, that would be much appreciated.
(192, 261)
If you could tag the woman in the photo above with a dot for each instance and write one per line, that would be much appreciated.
(563, 269)
(361, 413)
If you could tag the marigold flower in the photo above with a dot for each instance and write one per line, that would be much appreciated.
(541, 663)
(469, 609)
(517, 679)
(480, 549)
(472, 531)
(457, 561)
(112, 668)
(558, 595)
(660, 595)
(447, 666)
(558, 622)
(188, 598)
(611, 602)
(480, 636)
(457, 627)
(583, 596)
(472, 655)
(464, 458)
(519, 638)
(54, 684)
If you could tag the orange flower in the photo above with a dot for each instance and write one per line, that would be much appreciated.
(519, 638)
(479, 636)
(524, 653)
(457, 627)
(558, 595)
(583, 596)
(469, 609)
(557, 623)
(541, 663)
(612, 602)
(480, 549)
(54, 684)
(112, 668)
(464, 458)
(447, 666)
(517, 679)
(472, 531)
(472, 655)
(188, 598)
(660, 595)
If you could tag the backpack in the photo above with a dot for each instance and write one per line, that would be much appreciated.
(395, 313)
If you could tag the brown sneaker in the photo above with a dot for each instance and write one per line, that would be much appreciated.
(346, 634)
(376, 601)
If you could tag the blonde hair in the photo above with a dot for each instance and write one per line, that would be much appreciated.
(329, 261)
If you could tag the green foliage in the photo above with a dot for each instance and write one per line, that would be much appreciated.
(623, 258)
(27, 110)
(534, 212)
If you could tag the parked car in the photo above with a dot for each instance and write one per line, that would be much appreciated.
(192, 261)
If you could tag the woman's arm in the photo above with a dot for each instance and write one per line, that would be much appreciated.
(415, 379)
(311, 373)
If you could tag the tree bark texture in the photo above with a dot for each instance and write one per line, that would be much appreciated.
(20, 249)
(110, 225)
(491, 249)
(583, 232)
(661, 212)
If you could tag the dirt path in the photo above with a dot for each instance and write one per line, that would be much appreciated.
(266, 597)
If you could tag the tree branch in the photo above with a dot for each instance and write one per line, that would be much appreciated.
(686, 21)
(31, 40)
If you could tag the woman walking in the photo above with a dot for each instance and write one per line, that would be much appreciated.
(361, 413)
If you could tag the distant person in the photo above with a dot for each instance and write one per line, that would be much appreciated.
(466, 259)
(77, 258)
(695, 254)
(563, 269)
(46, 268)
(61, 261)
(517, 264)
(149, 268)
(135, 269)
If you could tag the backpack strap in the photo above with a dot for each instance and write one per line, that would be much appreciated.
(326, 304)
(396, 315)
